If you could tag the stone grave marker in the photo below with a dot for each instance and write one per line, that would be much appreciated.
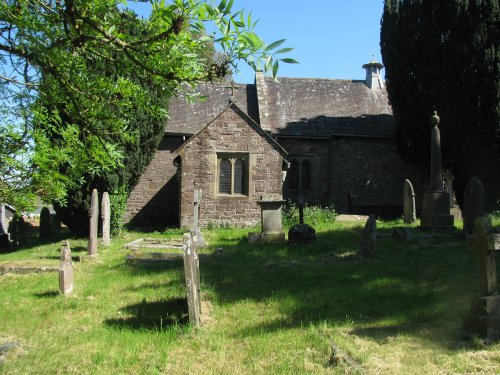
(474, 197)
(409, 214)
(4, 235)
(66, 275)
(485, 309)
(94, 216)
(45, 229)
(192, 276)
(301, 233)
(367, 246)
(272, 227)
(106, 219)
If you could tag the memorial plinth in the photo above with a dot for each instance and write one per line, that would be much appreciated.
(436, 213)
(272, 227)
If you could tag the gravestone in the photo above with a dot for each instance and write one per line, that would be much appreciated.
(4, 235)
(192, 276)
(409, 214)
(474, 197)
(94, 216)
(18, 231)
(45, 229)
(367, 246)
(198, 236)
(66, 275)
(106, 219)
(301, 233)
(436, 212)
(485, 309)
(272, 227)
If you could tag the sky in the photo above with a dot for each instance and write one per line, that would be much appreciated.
(331, 38)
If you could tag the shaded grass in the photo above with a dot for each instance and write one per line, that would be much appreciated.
(276, 309)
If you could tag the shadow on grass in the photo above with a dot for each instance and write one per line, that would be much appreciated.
(153, 316)
(47, 294)
(410, 285)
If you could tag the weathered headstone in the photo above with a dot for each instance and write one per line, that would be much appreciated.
(436, 212)
(485, 309)
(4, 235)
(409, 214)
(272, 227)
(192, 276)
(367, 246)
(474, 197)
(18, 231)
(106, 219)
(45, 229)
(66, 274)
(94, 216)
(199, 241)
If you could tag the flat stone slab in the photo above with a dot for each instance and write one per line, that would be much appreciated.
(25, 268)
(154, 243)
(352, 218)
(153, 258)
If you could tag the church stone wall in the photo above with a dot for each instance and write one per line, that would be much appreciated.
(374, 173)
(231, 132)
(154, 201)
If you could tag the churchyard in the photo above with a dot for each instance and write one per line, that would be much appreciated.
(267, 308)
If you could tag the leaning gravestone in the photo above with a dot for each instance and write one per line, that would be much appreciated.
(192, 276)
(474, 197)
(66, 275)
(485, 309)
(106, 219)
(94, 216)
(409, 215)
(367, 246)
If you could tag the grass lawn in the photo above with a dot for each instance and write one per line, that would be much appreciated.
(272, 309)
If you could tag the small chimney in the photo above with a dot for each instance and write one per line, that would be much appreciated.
(373, 77)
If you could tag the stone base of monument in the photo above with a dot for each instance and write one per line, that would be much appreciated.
(301, 234)
(436, 214)
(272, 237)
(484, 319)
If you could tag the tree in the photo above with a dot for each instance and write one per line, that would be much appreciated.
(64, 117)
(445, 56)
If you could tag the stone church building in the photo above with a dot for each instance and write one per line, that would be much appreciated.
(330, 140)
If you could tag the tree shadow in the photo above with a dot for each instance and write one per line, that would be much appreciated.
(47, 294)
(153, 316)
(415, 284)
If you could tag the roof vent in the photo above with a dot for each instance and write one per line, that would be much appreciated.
(373, 77)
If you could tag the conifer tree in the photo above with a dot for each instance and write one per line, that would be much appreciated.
(444, 55)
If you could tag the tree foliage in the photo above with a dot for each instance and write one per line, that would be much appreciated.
(73, 77)
(445, 55)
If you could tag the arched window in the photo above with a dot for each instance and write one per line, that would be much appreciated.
(306, 175)
(239, 177)
(293, 174)
(225, 177)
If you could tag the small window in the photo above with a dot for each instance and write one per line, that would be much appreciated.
(299, 176)
(225, 177)
(306, 175)
(293, 174)
(233, 174)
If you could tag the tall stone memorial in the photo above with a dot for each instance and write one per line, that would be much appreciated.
(93, 217)
(409, 214)
(436, 213)
(474, 201)
(192, 276)
(106, 219)
(272, 227)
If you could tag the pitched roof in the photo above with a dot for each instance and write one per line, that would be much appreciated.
(323, 107)
(251, 122)
(189, 118)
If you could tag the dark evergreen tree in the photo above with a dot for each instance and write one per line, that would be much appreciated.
(444, 55)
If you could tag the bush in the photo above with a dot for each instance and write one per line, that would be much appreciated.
(117, 203)
(313, 214)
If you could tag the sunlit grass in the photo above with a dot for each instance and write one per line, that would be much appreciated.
(274, 309)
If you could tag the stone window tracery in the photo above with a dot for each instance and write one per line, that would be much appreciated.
(232, 174)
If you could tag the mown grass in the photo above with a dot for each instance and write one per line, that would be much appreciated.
(274, 309)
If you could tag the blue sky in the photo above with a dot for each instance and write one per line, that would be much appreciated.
(331, 38)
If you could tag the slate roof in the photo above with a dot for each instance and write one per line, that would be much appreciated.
(189, 118)
(297, 107)
(325, 107)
